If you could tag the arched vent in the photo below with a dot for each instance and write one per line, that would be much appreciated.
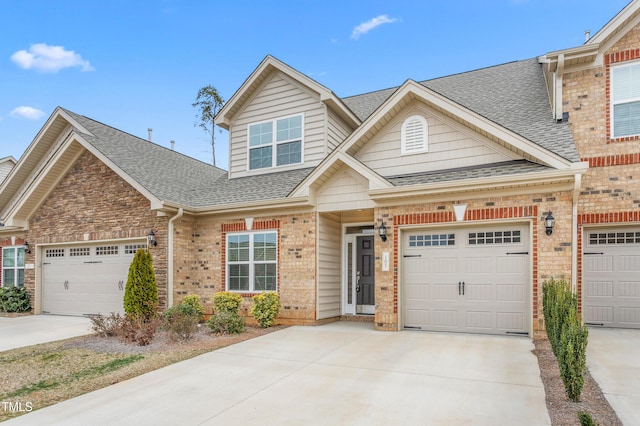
(415, 131)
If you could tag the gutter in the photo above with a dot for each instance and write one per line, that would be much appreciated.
(170, 257)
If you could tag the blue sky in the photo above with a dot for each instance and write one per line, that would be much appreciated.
(139, 64)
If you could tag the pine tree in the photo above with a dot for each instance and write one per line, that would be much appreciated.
(141, 292)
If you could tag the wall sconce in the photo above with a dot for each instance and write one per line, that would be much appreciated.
(26, 247)
(382, 232)
(151, 239)
(549, 223)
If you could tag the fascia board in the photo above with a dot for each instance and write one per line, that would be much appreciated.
(615, 22)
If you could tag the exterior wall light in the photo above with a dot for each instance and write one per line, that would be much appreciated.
(549, 223)
(151, 239)
(26, 247)
(382, 232)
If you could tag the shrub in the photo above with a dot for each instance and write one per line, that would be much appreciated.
(107, 326)
(585, 419)
(193, 300)
(182, 320)
(141, 292)
(14, 299)
(266, 307)
(226, 322)
(226, 301)
(140, 329)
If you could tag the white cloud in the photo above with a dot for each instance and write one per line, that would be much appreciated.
(45, 58)
(365, 27)
(27, 112)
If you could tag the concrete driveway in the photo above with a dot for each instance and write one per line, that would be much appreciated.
(340, 374)
(34, 329)
(612, 358)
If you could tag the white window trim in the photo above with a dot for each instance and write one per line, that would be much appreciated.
(613, 103)
(251, 261)
(403, 136)
(15, 268)
(274, 143)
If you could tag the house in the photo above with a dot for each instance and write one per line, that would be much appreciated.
(6, 164)
(436, 205)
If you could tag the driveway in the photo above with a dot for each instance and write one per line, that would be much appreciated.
(612, 358)
(34, 329)
(340, 373)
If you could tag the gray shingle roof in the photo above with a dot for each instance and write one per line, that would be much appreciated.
(513, 95)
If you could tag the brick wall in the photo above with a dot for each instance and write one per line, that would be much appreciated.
(93, 203)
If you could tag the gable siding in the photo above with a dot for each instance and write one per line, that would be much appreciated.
(337, 130)
(5, 168)
(278, 97)
(345, 188)
(328, 267)
(448, 147)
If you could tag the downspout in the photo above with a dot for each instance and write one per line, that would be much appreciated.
(557, 88)
(574, 233)
(170, 257)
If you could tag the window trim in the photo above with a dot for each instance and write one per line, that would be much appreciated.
(251, 262)
(613, 103)
(275, 143)
(15, 268)
(403, 135)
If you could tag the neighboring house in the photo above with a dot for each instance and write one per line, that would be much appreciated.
(422, 206)
(6, 165)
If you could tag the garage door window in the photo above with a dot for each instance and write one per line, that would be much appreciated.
(252, 261)
(615, 238)
(79, 251)
(432, 240)
(12, 267)
(133, 248)
(495, 237)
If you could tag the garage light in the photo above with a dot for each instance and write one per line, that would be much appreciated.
(549, 223)
(382, 232)
(151, 238)
(26, 247)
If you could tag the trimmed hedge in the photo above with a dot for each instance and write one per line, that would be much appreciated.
(266, 307)
(567, 335)
(14, 299)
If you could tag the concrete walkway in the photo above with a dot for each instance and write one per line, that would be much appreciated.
(35, 329)
(612, 358)
(336, 374)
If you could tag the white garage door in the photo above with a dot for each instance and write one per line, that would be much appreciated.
(88, 279)
(473, 280)
(611, 260)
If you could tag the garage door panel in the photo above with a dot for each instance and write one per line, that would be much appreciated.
(510, 293)
(629, 263)
(479, 292)
(511, 264)
(417, 317)
(479, 265)
(629, 289)
(599, 289)
(599, 263)
(479, 319)
(510, 321)
(442, 265)
(445, 318)
(629, 315)
(445, 292)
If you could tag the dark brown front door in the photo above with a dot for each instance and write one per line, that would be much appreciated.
(365, 273)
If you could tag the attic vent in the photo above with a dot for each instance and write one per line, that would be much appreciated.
(414, 135)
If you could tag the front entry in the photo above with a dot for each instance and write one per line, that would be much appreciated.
(359, 273)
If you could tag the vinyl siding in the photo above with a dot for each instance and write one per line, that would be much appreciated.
(345, 188)
(278, 97)
(5, 168)
(328, 267)
(337, 130)
(449, 146)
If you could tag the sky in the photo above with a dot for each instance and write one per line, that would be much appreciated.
(135, 65)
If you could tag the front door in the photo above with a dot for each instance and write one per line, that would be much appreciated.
(365, 275)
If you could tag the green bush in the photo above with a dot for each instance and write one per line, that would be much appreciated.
(193, 300)
(567, 335)
(141, 292)
(182, 320)
(226, 322)
(585, 419)
(226, 301)
(14, 299)
(266, 307)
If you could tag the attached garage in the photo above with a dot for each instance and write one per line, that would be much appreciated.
(473, 280)
(86, 279)
(611, 277)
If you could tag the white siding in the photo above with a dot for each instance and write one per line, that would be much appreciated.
(278, 97)
(345, 190)
(328, 267)
(5, 168)
(449, 146)
(337, 131)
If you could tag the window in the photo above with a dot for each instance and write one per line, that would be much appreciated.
(625, 100)
(494, 237)
(414, 135)
(13, 267)
(602, 238)
(432, 240)
(252, 261)
(286, 142)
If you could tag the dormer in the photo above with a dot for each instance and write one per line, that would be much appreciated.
(281, 120)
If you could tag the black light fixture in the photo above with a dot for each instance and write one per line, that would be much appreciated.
(549, 223)
(382, 232)
(26, 247)
(151, 238)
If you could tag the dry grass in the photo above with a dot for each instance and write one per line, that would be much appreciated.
(42, 375)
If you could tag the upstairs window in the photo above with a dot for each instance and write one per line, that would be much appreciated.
(275, 143)
(13, 267)
(414, 135)
(625, 100)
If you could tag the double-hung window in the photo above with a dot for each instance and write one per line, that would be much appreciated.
(276, 142)
(252, 260)
(625, 100)
(12, 267)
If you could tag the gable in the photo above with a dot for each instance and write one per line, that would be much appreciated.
(345, 187)
(449, 145)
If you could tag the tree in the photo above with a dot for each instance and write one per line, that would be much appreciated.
(141, 292)
(208, 102)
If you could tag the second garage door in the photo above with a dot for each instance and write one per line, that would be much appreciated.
(473, 280)
(87, 279)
